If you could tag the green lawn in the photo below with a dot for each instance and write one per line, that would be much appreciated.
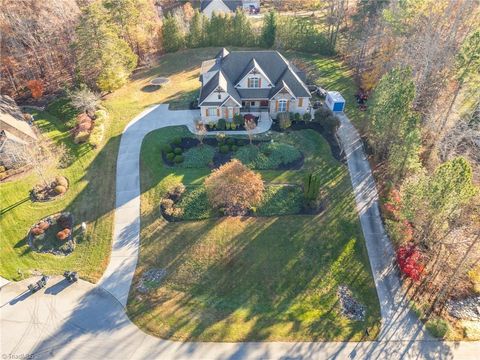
(264, 278)
(91, 196)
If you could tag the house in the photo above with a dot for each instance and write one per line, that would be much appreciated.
(208, 7)
(248, 82)
(15, 133)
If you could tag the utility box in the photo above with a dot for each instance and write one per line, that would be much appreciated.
(335, 101)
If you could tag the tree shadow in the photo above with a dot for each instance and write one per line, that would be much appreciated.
(150, 88)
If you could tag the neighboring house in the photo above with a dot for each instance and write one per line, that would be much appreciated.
(15, 133)
(250, 81)
(208, 7)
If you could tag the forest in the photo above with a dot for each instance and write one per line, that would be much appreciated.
(418, 61)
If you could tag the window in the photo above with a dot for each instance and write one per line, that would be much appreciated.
(219, 96)
(252, 103)
(254, 82)
(300, 102)
(282, 105)
(212, 111)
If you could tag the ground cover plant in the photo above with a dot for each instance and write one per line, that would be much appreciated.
(269, 277)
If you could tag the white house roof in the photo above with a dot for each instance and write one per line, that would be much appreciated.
(336, 96)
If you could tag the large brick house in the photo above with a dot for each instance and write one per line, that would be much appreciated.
(251, 81)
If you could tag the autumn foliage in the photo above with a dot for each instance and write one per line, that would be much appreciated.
(409, 259)
(234, 188)
(64, 234)
(36, 88)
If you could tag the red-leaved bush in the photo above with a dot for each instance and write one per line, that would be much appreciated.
(36, 88)
(409, 259)
(407, 231)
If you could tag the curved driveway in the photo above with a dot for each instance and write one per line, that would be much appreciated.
(85, 321)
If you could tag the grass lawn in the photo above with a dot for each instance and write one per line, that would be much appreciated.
(91, 196)
(264, 278)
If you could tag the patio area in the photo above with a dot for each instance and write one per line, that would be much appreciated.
(264, 124)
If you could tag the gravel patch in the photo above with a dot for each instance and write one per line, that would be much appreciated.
(351, 308)
(465, 309)
(150, 280)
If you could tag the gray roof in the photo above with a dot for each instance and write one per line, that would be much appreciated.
(231, 4)
(219, 80)
(237, 64)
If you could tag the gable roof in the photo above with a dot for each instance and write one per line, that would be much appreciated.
(236, 65)
(219, 80)
(11, 120)
(231, 4)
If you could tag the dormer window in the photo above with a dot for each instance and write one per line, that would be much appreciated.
(254, 82)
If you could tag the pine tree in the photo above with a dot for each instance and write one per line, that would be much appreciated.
(269, 30)
(242, 34)
(173, 39)
(196, 34)
(100, 50)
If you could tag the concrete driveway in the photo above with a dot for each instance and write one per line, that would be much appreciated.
(86, 321)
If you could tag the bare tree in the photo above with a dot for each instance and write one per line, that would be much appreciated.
(200, 130)
(250, 126)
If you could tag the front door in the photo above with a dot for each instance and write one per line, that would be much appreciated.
(230, 112)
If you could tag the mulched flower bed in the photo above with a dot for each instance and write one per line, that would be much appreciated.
(220, 158)
(331, 139)
(53, 235)
(47, 192)
(238, 126)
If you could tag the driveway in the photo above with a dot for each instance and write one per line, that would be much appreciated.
(86, 321)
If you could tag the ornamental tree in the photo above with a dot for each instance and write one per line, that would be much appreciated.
(234, 188)
(36, 88)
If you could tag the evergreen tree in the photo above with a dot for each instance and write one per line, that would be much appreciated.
(219, 30)
(242, 34)
(196, 34)
(100, 50)
(269, 30)
(173, 39)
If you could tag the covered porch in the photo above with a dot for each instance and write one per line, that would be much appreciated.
(255, 105)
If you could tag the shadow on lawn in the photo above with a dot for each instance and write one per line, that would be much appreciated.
(267, 286)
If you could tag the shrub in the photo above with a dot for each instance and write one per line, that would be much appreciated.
(311, 187)
(178, 159)
(166, 203)
(170, 156)
(44, 225)
(221, 124)
(174, 212)
(166, 148)
(61, 180)
(2, 169)
(331, 124)
(195, 204)
(307, 117)
(37, 231)
(224, 149)
(409, 260)
(321, 114)
(64, 234)
(230, 141)
(227, 125)
(176, 192)
(437, 327)
(198, 157)
(284, 120)
(233, 125)
(238, 120)
(297, 117)
(59, 189)
(177, 140)
(81, 137)
(234, 147)
(96, 135)
(178, 151)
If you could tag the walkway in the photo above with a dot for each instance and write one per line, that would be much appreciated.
(86, 321)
